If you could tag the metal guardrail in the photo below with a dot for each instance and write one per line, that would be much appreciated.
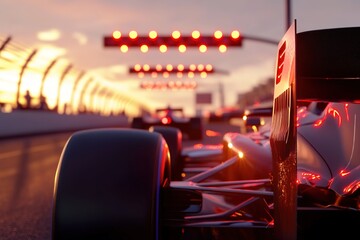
(35, 122)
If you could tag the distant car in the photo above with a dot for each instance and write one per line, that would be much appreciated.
(225, 114)
(296, 178)
(191, 127)
(256, 117)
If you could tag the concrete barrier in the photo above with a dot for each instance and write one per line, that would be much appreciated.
(30, 122)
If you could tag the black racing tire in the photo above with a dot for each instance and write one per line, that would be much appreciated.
(138, 123)
(173, 138)
(108, 185)
(195, 129)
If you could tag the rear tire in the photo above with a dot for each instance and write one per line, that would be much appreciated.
(196, 129)
(173, 138)
(138, 123)
(108, 185)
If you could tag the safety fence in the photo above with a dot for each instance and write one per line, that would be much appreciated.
(34, 79)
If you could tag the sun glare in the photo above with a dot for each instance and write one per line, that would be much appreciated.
(49, 35)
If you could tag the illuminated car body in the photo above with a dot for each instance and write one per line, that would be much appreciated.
(172, 117)
(297, 178)
(326, 148)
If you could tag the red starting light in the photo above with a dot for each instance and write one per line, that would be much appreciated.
(209, 67)
(146, 67)
(176, 34)
(152, 34)
(170, 69)
(168, 85)
(201, 67)
(163, 48)
(235, 34)
(195, 34)
(176, 39)
(133, 35)
(218, 34)
(137, 67)
(202, 48)
(124, 48)
(158, 67)
(182, 48)
(180, 67)
(144, 48)
(116, 34)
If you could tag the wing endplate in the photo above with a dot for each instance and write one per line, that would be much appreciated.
(319, 65)
(283, 138)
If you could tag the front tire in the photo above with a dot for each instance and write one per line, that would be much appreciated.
(107, 188)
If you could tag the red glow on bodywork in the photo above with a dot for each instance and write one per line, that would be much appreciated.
(212, 147)
(347, 111)
(308, 177)
(297, 122)
(352, 187)
(318, 123)
(301, 113)
(344, 173)
(211, 133)
(218, 210)
(198, 146)
(333, 112)
(271, 223)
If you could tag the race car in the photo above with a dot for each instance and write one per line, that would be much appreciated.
(255, 117)
(173, 117)
(297, 178)
(225, 114)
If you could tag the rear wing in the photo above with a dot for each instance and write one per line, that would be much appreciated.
(171, 109)
(320, 65)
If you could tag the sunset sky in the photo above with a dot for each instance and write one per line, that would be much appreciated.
(74, 31)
